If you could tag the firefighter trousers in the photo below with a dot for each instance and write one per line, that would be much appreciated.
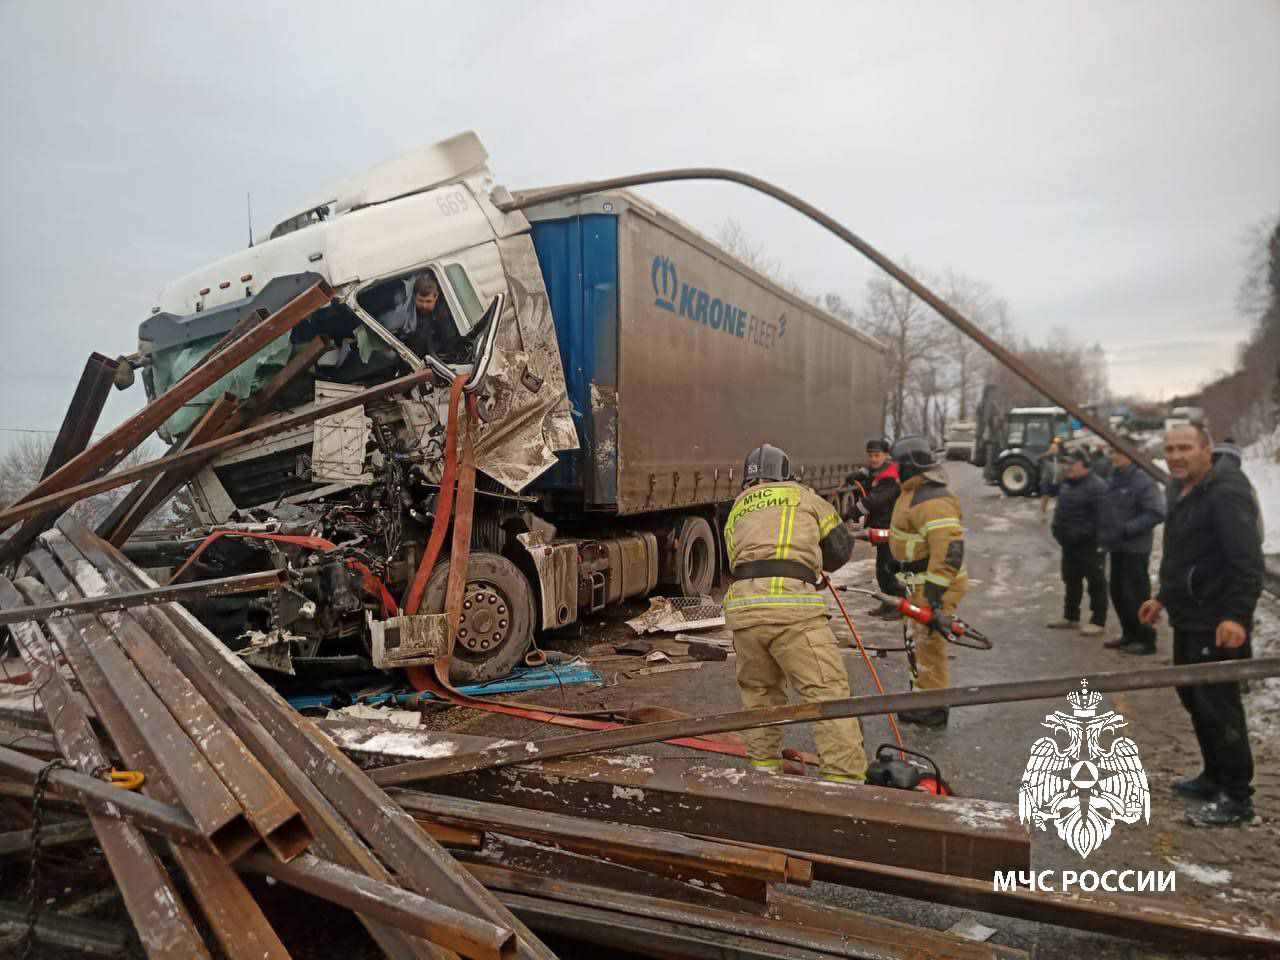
(803, 655)
(931, 670)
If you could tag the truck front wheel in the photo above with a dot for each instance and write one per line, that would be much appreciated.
(1016, 478)
(495, 628)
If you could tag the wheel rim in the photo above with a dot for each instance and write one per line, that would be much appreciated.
(1015, 477)
(485, 623)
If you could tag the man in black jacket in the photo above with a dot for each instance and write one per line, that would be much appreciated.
(1136, 509)
(1078, 521)
(878, 485)
(1210, 580)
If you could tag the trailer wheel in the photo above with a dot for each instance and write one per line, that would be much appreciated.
(1016, 478)
(496, 626)
(696, 557)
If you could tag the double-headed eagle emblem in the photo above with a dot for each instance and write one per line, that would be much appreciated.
(1083, 785)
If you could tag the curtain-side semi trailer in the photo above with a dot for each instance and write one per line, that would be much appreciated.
(624, 365)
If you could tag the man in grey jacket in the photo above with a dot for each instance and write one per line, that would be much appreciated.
(1136, 509)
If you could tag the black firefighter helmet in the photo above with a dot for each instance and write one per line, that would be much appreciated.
(913, 455)
(765, 462)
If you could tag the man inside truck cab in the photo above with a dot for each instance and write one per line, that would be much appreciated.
(435, 331)
(780, 537)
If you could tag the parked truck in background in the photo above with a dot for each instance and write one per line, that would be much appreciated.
(958, 443)
(624, 366)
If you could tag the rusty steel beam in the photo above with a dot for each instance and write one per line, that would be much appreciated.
(112, 448)
(144, 498)
(83, 412)
(455, 837)
(90, 465)
(1182, 926)
(195, 589)
(98, 796)
(392, 834)
(266, 806)
(972, 837)
(51, 835)
(162, 487)
(334, 837)
(452, 929)
(944, 309)
(129, 709)
(659, 851)
(863, 706)
(391, 904)
(164, 926)
(82, 935)
(877, 940)
(71, 494)
(234, 917)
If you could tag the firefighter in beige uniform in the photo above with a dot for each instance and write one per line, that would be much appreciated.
(780, 536)
(926, 539)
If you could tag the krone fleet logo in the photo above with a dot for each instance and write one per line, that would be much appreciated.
(1088, 783)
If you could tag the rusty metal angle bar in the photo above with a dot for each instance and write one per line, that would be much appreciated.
(335, 839)
(1181, 926)
(393, 835)
(149, 497)
(164, 926)
(393, 905)
(233, 915)
(129, 709)
(51, 835)
(948, 312)
(109, 450)
(61, 498)
(634, 845)
(265, 804)
(884, 943)
(639, 734)
(463, 933)
(145, 497)
(196, 589)
(83, 412)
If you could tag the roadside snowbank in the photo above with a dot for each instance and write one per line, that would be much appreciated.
(1263, 470)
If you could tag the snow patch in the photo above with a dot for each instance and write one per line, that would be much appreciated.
(1200, 873)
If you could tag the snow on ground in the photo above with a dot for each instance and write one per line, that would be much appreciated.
(1263, 469)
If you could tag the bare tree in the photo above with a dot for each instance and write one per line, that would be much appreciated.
(734, 239)
(904, 324)
(23, 463)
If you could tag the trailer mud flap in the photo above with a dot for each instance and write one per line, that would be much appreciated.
(408, 641)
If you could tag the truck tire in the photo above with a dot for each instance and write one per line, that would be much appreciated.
(496, 628)
(695, 557)
(1017, 478)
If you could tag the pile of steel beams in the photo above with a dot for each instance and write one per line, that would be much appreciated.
(628, 854)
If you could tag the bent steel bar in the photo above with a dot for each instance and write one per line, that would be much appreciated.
(523, 752)
(1014, 363)
(221, 587)
(142, 471)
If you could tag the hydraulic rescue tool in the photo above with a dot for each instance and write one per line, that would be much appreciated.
(953, 628)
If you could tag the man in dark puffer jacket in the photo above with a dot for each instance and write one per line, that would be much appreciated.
(1136, 509)
(1078, 522)
(1210, 580)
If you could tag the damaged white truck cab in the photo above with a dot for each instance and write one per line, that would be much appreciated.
(592, 488)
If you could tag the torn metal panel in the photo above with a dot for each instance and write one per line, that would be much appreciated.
(340, 440)
(538, 335)
(408, 641)
(270, 651)
(557, 566)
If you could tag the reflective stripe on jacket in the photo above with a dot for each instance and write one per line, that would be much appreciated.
(926, 535)
(781, 521)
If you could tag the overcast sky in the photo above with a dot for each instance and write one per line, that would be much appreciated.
(1097, 164)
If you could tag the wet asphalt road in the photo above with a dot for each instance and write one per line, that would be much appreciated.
(1013, 565)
